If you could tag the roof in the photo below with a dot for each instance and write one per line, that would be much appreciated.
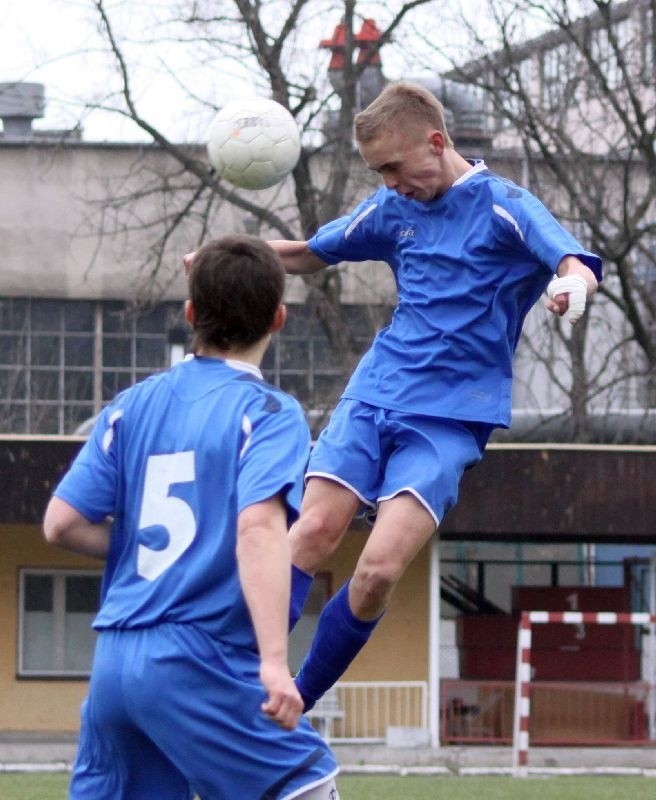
(518, 493)
(30, 468)
(558, 493)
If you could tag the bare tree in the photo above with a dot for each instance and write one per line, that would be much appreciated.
(266, 38)
(570, 91)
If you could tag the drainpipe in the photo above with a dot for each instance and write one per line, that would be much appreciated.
(434, 644)
(651, 661)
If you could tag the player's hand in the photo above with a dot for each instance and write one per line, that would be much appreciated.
(557, 305)
(284, 704)
(186, 260)
(567, 295)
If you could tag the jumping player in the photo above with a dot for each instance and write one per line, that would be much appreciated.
(187, 487)
(471, 254)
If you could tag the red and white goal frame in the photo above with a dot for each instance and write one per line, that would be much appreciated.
(523, 670)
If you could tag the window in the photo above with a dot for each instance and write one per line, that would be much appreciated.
(135, 346)
(606, 49)
(60, 360)
(645, 264)
(560, 77)
(515, 88)
(303, 362)
(647, 44)
(57, 608)
(55, 614)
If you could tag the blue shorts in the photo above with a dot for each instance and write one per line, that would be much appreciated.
(172, 712)
(377, 454)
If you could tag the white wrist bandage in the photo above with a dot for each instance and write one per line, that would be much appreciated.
(577, 289)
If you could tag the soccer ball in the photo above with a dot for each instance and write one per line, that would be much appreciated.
(253, 143)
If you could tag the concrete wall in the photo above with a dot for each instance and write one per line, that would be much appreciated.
(68, 231)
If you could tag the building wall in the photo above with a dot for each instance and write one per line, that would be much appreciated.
(556, 78)
(68, 229)
(69, 232)
(397, 650)
(53, 207)
(30, 468)
(560, 495)
(27, 704)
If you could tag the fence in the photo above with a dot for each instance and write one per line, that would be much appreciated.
(477, 712)
(562, 713)
(481, 712)
(363, 711)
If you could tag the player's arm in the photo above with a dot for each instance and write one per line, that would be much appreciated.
(297, 256)
(264, 564)
(569, 290)
(65, 527)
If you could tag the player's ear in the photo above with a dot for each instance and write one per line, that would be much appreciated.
(436, 141)
(189, 312)
(279, 319)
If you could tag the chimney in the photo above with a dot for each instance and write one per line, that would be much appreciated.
(20, 103)
(372, 81)
(336, 45)
(367, 41)
(367, 38)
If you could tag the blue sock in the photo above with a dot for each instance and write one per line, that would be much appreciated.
(338, 639)
(301, 583)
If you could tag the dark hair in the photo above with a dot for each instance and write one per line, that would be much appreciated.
(236, 284)
(400, 105)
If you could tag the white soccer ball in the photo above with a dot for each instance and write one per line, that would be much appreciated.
(253, 143)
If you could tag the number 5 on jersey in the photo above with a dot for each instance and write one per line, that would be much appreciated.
(172, 513)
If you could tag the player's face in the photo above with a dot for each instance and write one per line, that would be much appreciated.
(409, 162)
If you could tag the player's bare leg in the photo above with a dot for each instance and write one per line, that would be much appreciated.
(403, 526)
(326, 513)
(348, 619)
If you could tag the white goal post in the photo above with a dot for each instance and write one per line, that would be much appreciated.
(523, 669)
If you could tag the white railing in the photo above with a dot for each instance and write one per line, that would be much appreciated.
(362, 711)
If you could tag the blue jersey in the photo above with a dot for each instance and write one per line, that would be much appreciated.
(468, 266)
(174, 460)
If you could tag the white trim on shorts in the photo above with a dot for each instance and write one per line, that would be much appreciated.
(364, 501)
(309, 786)
(341, 482)
(417, 497)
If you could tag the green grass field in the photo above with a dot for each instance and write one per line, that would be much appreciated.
(412, 787)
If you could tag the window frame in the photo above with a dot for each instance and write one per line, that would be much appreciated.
(52, 366)
(59, 610)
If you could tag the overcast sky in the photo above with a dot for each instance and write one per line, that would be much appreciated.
(42, 41)
(56, 42)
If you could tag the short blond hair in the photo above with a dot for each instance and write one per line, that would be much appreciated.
(400, 101)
